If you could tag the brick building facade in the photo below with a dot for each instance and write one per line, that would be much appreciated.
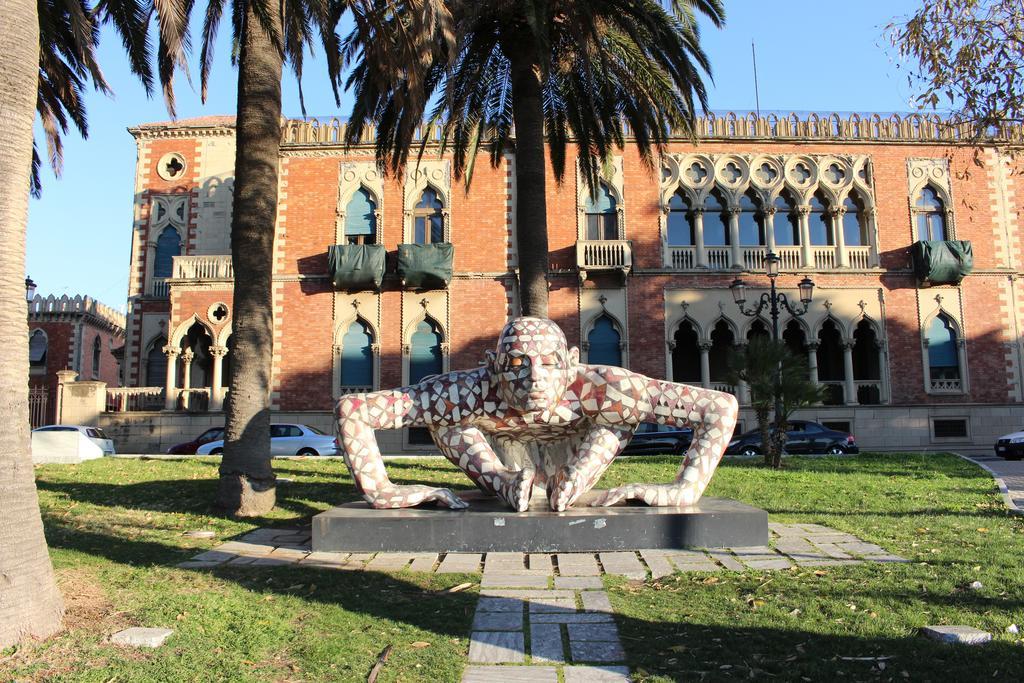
(70, 333)
(640, 273)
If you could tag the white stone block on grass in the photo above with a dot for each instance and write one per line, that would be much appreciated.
(141, 637)
(957, 635)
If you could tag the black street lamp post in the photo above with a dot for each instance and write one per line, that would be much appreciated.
(773, 301)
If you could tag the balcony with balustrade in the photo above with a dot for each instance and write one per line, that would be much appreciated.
(609, 256)
(751, 258)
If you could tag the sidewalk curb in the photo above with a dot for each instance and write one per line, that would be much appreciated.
(1003, 490)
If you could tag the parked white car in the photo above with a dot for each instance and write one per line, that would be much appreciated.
(286, 439)
(94, 434)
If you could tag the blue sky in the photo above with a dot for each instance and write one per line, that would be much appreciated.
(810, 56)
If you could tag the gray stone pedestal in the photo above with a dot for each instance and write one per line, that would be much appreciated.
(489, 526)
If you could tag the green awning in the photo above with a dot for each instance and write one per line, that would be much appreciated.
(425, 266)
(942, 262)
(356, 266)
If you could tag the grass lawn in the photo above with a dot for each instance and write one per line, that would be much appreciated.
(115, 531)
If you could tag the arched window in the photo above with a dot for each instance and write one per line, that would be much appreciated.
(428, 218)
(168, 245)
(855, 232)
(758, 330)
(37, 345)
(716, 221)
(357, 356)
(831, 370)
(601, 214)
(201, 370)
(931, 215)
(97, 349)
(680, 222)
(156, 363)
(795, 339)
(425, 351)
(751, 221)
(722, 343)
(866, 364)
(943, 356)
(361, 219)
(603, 343)
(819, 223)
(686, 355)
(787, 221)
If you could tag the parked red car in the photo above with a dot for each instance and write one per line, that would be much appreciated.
(189, 447)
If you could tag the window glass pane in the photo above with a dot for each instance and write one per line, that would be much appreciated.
(604, 343)
(420, 236)
(357, 356)
(277, 431)
(294, 431)
(751, 231)
(168, 245)
(936, 226)
(942, 351)
(929, 200)
(436, 229)
(156, 364)
(852, 232)
(716, 229)
(37, 344)
(360, 215)
(820, 230)
(786, 223)
(424, 352)
(602, 203)
(611, 231)
(680, 228)
(429, 200)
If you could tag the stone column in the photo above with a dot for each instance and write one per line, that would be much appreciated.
(698, 235)
(806, 255)
(705, 366)
(812, 362)
(769, 227)
(849, 384)
(842, 258)
(64, 377)
(186, 373)
(734, 236)
(217, 388)
(872, 233)
(170, 388)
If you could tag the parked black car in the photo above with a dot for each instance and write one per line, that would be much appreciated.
(651, 438)
(801, 437)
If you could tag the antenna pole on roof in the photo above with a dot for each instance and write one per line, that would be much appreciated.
(757, 98)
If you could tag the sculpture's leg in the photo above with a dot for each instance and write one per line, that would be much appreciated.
(585, 466)
(713, 417)
(358, 415)
(468, 449)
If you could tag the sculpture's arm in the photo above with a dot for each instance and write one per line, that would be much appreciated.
(358, 415)
(712, 414)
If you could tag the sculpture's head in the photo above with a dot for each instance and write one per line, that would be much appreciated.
(533, 365)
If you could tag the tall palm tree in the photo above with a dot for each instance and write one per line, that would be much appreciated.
(266, 35)
(587, 72)
(48, 58)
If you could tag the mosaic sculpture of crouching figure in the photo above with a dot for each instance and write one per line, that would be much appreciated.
(534, 389)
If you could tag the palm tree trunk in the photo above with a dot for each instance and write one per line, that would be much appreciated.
(247, 481)
(30, 604)
(531, 205)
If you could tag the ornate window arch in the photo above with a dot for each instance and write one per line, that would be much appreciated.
(428, 217)
(361, 217)
(97, 352)
(751, 220)
(680, 226)
(38, 346)
(356, 357)
(605, 341)
(820, 226)
(168, 245)
(601, 213)
(945, 355)
(930, 215)
(685, 346)
(425, 349)
(156, 362)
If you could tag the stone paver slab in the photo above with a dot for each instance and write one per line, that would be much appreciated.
(189, 564)
(498, 621)
(577, 564)
(141, 637)
(459, 563)
(727, 560)
(272, 562)
(596, 651)
(496, 647)
(697, 567)
(540, 562)
(862, 548)
(600, 631)
(538, 605)
(242, 548)
(423, 562)
(504, 562)
(504, 580)
(594, 674)
(778, 563)
(525, 594)
(753, 552)
(625, 564)
(500, 605)
(511, 674)
(579, 582)
(833, 551)
(957, 635)
(570, 618)
(325, 557)
(389, 562)
(546, 643)
(288, 553)
(213, 556)
(596, 601)
(658, 562)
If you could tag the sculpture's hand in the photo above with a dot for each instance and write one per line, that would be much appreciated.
(393, 497)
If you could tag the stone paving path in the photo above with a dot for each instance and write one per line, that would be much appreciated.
(541, 615)
(1009, 476)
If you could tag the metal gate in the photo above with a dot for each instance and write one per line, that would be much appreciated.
(37, 402)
